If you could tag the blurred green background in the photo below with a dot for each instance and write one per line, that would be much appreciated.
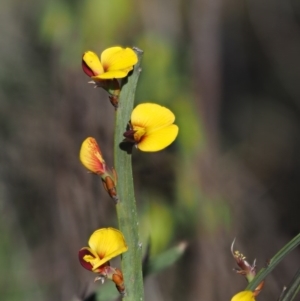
(230, 71)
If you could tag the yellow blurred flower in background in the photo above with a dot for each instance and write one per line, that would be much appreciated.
(114, 62)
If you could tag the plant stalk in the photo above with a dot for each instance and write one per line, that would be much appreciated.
(126, 206)
(290, 246)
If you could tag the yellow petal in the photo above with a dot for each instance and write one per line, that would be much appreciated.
(107, 243)
(126, 70)
(91, 60)
(111, 75)
(158, 140)
(151, 116)
(109, 52)
(243, 296)
(91, 157)
(118, 58)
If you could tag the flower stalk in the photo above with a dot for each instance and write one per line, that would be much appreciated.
(126, 207)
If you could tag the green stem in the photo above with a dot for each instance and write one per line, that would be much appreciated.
(290, 292)
(273, 263)
(126, 207)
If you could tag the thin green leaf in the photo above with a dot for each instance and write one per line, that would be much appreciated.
(273, 263)
(165, 259)
(293, 289)
(107, 292)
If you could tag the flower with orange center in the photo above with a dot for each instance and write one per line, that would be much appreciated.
(243, 296)
(104, 244)
(114, 62)
(91, 157)
(151, 127)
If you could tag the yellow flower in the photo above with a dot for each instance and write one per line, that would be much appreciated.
(151, 127)
(243, 296)
(104, 244)
(91, 156)
(115, 62)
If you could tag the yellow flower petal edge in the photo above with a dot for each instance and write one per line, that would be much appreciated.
(107, 243)
(243, 296)
(159, 139)
(153, 127)
(111, 74)
(91, 157)
(91, 64)
(117, 58)
(151, 116)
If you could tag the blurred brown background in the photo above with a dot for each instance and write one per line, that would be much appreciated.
(230, 70)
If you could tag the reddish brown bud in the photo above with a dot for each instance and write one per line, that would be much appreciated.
(117, 278)
(110, 187)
